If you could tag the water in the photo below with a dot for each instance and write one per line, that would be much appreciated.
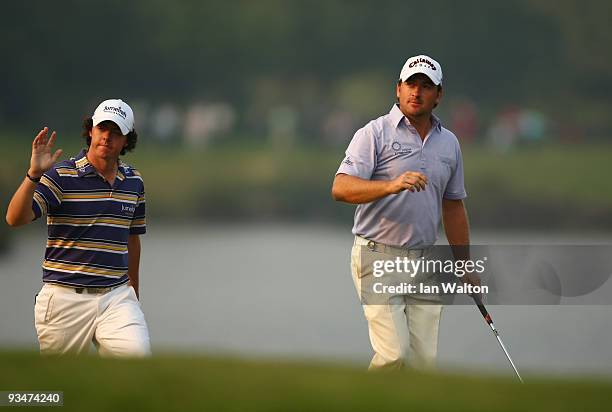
(286, 291)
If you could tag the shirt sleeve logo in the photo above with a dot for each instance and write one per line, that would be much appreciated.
(347, 161)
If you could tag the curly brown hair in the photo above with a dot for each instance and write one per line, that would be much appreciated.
(132, 137)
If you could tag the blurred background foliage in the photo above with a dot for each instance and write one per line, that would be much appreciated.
(244, 108)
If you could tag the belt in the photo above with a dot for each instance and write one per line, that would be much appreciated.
(90, 291)
(374, 246)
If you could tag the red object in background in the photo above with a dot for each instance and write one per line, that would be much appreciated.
(464, 120)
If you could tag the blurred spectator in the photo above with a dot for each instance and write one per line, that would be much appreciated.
(339, 127)
(464, 119)
(165, 122)
(282, 125)
(532, 125)
(513, 125)
(503, 133)
(202, 121)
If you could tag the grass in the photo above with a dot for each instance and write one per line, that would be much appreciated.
(242, 178)
(164, 383)
(577, 173)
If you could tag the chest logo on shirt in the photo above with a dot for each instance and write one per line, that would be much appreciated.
(128, 208)
(398, 149)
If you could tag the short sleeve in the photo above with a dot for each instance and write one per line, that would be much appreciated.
(138, 226)
(47, 195)
(360, 159)
(455, 188)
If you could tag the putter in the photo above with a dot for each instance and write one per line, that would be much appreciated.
(489, 321)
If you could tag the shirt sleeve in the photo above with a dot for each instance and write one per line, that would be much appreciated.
(47, 195)
(138, 226)
(360, 159)
(455, 189)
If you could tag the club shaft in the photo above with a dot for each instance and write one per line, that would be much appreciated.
(487, 318)
(507, 355)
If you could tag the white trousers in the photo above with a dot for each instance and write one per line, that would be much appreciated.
(69, 322)
(403, 332)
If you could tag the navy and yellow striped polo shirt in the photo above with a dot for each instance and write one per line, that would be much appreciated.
(89, 222)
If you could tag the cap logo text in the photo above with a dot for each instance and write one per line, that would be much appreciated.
(116, 110)
(422, 60)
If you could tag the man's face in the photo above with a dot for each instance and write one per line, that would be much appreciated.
(418, 95)
(106, 141)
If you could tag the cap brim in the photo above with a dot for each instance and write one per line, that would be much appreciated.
(412, 73)
(115, 119)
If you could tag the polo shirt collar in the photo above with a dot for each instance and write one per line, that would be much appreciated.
(396, 116)
(121, 171)
(436, 123)
(84, 168)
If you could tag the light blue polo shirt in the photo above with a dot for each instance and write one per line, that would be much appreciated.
(384, 149)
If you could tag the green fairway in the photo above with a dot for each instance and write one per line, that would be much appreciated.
(549, 185)
(185, 383)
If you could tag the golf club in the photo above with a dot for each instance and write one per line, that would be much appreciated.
(489, 321)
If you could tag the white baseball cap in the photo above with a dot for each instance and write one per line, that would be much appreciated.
(118, 112)
(422, 64)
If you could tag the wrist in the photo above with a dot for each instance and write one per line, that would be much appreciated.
(33, 177)
(34, 174)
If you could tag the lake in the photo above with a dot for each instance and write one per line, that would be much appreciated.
(285, 290)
